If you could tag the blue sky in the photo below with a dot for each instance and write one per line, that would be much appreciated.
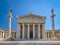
(22, 7)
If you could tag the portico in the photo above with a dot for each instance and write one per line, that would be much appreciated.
(31, 27)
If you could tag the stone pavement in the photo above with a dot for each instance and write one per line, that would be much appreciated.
(29, 42)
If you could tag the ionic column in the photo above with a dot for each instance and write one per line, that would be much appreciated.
(48, 35)
(23, 31)
(9, 22)
(43, 31)
(38, 31)
(33, 31)
(18, 32)
(28, 31)
(3, 34)
(9, 27)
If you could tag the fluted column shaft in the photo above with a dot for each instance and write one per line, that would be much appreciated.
(33, 31)
(43, 29)
(18, 31)
(38, 31)
(23, 31)
(28, 31)
(9, 27)
(3, 34)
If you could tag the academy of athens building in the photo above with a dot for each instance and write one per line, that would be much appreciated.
(30, 27)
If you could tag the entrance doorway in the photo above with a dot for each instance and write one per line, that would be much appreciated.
(40, 31)
(31, 34)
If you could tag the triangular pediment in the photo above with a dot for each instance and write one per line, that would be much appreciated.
(32, 15)
(31, 18)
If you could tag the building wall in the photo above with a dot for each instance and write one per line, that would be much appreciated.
(48, 34)
(14, 34)
(4, 34)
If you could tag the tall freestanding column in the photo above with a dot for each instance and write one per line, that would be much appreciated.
(9, 23)
(52, 16)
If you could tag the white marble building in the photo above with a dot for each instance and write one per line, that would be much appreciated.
(31, 26)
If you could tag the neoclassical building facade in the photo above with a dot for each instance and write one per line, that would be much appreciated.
(31, 26)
